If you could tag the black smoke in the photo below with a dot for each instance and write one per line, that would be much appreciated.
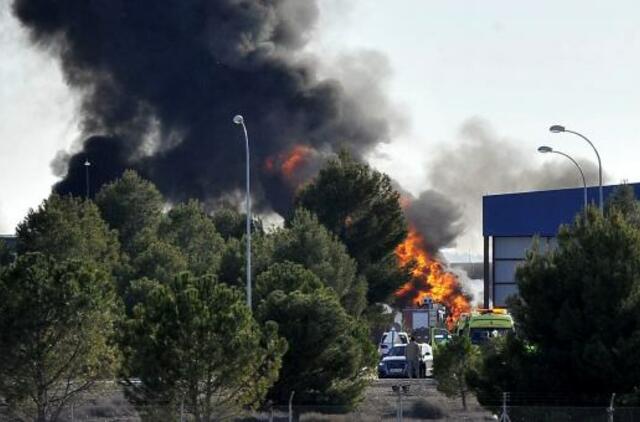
(437, 217)
(160, 82)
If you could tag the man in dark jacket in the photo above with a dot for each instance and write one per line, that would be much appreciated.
(412, 356)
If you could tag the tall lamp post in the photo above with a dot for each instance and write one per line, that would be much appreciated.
(558, 129)
(239, 120)
(545, 149)
(87, 164)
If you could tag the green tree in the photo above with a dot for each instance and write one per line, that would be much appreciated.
(361, 207)
(189, 229)
(623, 200)
(454, 363)
(6, 255)
(68, 227)
(194, 339)
(385, 277)
(157, 259)
(307, 242)
(131, 205)
(56, 327)
(328, 350)
(232, 263)
(286, 276)
(577, 313)
(231, 225)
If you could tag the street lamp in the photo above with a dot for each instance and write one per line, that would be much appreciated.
(239, 120)
(558, 129)
(87, 164)
(545, 149)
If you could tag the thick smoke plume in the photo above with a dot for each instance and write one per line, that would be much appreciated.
(161, 81)
(480, 162)
(437, 217)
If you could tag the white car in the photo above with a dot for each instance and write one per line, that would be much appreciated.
(394, 364)
(390, 339)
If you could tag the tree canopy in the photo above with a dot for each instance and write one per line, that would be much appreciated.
(68, 227)
(131, 205)
(577, 313)
(623, 200)
(361, 207)
(328, 350)
(194, 339)
(187, 334)
(188, 228)
(454, 363)
(286, 276)
(307, 242)
(57, 324)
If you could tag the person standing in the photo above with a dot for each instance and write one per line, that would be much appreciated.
(412, 356)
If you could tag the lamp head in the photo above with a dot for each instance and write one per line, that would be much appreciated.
(87, 163)
(544, 149)
(238, 119)
(557, 129)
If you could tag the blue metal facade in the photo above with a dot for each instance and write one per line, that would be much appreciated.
(509, 223)
(536, 213)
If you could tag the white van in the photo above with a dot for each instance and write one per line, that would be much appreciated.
(390, 339)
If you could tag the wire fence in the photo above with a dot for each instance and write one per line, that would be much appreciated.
(394, 403)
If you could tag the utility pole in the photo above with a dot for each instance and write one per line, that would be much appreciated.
(87, 164)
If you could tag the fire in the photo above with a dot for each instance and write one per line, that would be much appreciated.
(430, 279)
(296, 158)
(289, 163)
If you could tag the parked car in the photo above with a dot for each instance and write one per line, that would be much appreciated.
(390, 339)
(394, 364)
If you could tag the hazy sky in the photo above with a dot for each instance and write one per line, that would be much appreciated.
(518, 66)
(522, 66)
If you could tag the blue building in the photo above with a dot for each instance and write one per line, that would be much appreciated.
(509, 223)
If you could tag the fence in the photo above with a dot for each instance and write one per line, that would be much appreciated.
(391, 400)
(528, 407)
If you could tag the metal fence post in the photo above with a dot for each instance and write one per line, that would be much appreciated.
(291, 406)
(610, 409)
(396, 389)
(504, 417)
(182, 410)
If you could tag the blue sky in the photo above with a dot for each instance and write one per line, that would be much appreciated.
(516, 66)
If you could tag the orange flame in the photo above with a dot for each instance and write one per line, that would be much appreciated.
(295, 159)
(430, 279)
(289, 162)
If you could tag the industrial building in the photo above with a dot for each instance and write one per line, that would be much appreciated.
(511, 221)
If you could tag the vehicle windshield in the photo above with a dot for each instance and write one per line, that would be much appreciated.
(441, 338)
(398, 339)
(397, 351)
(482, 335)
